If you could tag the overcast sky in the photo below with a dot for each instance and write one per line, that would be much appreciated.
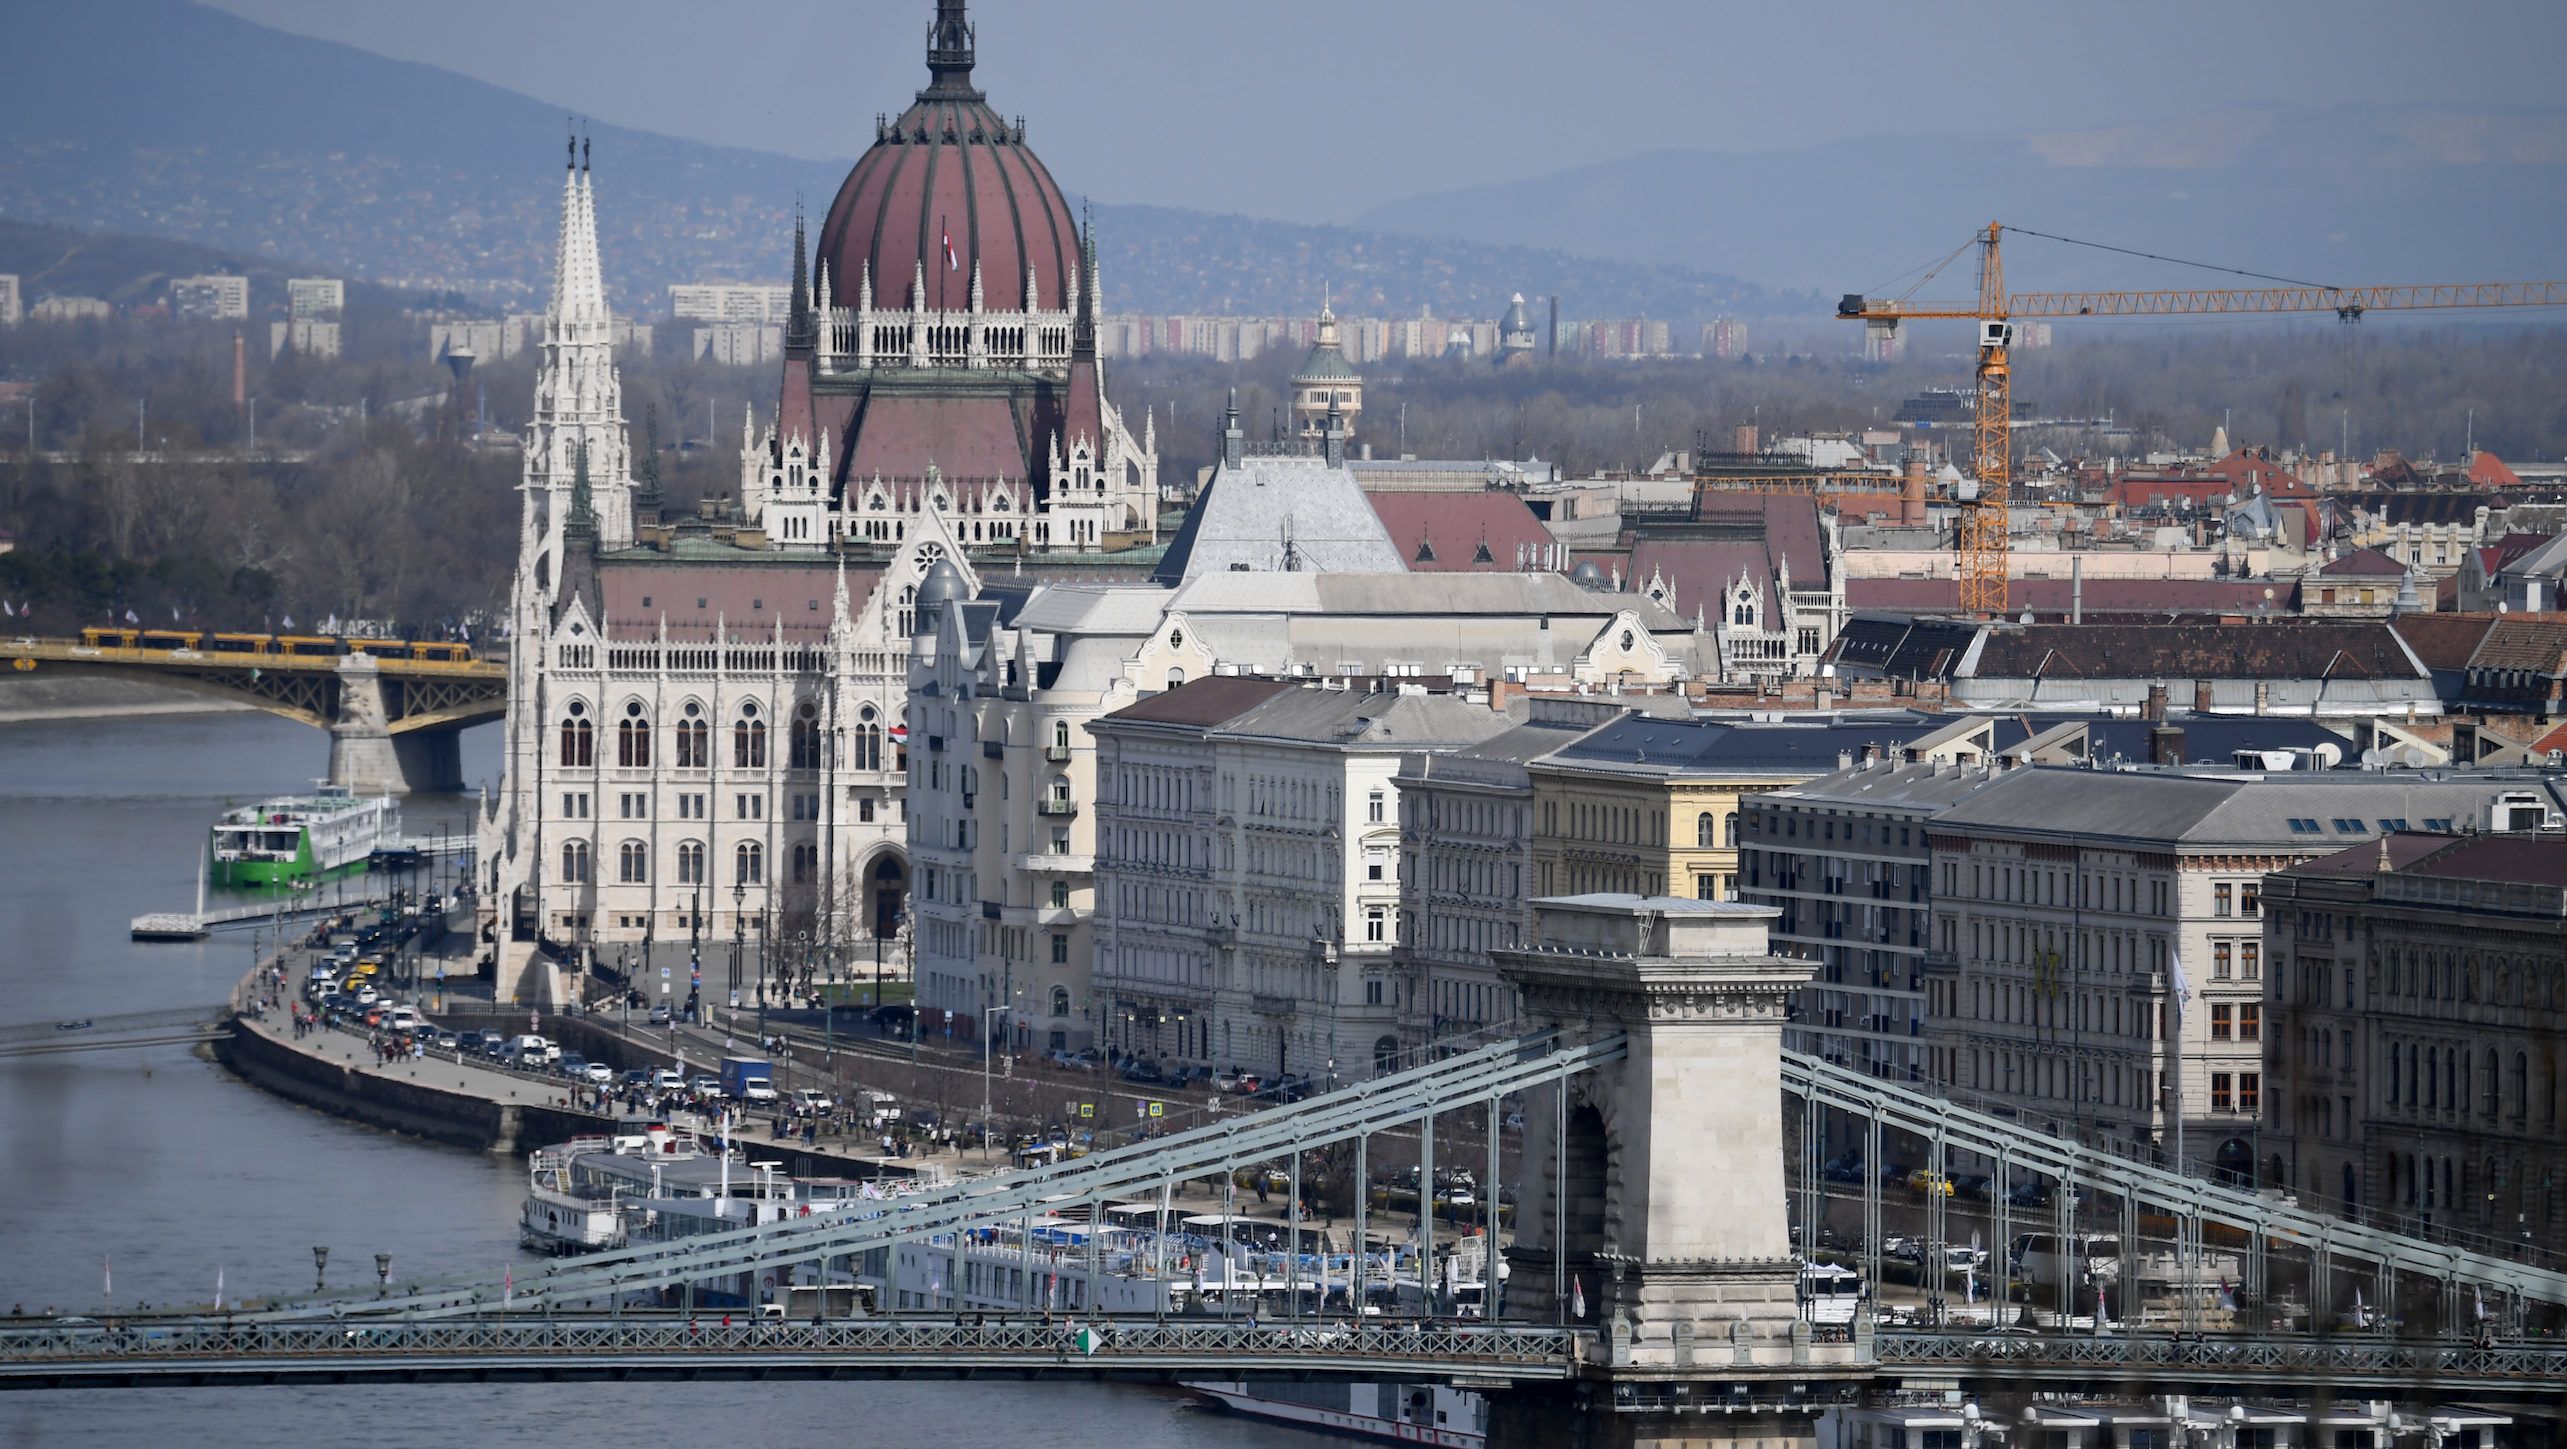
(1317, 110)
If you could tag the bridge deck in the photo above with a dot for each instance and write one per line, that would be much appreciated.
(72, 651)
(193, 1352)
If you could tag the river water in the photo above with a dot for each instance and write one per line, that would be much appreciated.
(160, 1168)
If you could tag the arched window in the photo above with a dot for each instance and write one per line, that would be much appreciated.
(2522, 1086)
(579, 737)
(2492, 1090)
(694, 739)
(633, 863)
(749, 864)
(1729, 830)
(690, 862)
(868, 741)
(749, 740)
(574, 862)
(806, 737)
(1060, 1001)
(1705, 836)
(1060, 790)
(1061, 737)
(806, 863)
(633, 737)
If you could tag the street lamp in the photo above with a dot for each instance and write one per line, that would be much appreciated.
(995, 1011)
(320, 1265)
(739, 937)
(383, 1275)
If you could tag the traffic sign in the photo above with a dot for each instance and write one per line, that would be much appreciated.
(1087, 1109)
(1158, 1109)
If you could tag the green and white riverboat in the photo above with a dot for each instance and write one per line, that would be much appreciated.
(301, 838)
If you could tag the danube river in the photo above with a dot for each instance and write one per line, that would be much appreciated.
(158, 1166)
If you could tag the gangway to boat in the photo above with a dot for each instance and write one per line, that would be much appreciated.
(194, 925)
(185, 1025)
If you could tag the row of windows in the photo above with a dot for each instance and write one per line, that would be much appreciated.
(692, 739)
(633, 863)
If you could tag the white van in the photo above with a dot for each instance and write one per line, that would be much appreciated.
(533, 1049)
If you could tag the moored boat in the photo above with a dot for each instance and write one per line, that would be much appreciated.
(301, 838)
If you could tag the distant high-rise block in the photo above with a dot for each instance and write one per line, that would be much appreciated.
(315, 297)
(309, 336)
(217, 298)
(731, 302)
(10, 309)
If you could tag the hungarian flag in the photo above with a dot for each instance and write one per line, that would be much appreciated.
(952, 262)
(1578, 1298)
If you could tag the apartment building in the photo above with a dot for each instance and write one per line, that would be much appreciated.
(315, 298)
(11, 306)
(1466, 866)
(1846, 861)
(2064, 900)
(1652, 806)
(1248, 868)
(2414, 1010)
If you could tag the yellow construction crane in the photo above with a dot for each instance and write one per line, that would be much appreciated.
(1984, 545)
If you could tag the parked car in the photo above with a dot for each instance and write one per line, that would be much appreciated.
(669, 1079)
(659, 1016)
(1848, 1168)
(1142, 1074)
(468, 1041)
(573, 1066)
(1926, 1182)
(812, 1099)
(600, 1074)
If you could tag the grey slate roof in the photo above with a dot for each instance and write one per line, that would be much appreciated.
(1280, 514)
(1383, 720)
(1680, 747)
(2224, 811)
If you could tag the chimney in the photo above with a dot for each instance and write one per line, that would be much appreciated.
(1742, 438)
(2076, 588)
(240, 375)
(2166, 745)
(1500, 689)
(2201, 696)
(2156, 707)
(1912, 492)
(2263, 696)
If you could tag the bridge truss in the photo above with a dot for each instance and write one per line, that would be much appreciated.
(2082, 1183)
(1478, 1078)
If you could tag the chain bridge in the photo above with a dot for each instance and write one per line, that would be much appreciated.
(1655, 1295)
(394, 710)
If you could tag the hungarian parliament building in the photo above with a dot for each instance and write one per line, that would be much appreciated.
(704, 739)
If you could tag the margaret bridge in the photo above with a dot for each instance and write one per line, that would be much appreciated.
(1668, 1145)
(395, 716)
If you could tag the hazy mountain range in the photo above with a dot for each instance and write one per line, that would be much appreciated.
(163, 118)
(159, 117)
(2344, 197)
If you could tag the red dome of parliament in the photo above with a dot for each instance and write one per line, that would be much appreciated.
(950, 168)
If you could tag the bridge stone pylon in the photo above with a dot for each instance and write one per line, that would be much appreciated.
(1674, 1231)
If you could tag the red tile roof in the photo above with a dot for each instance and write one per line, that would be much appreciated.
(901, 434)
(2445, 641)
(2486, 470)
(1205, 702)
(743, 600)
(1448, 532)
(2364, 563)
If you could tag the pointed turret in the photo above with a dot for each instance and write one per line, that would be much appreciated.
(579, 402)
(648, 500)
(801, 331)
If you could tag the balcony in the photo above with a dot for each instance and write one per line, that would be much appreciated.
(936, 743)
(993, 750)
(1266, 1005)
(1057, 754)
(1057, 809)
(1942, 963)
(1048, 862)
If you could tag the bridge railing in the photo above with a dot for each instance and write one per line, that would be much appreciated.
(2340, 1358)
(1205, 1345)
